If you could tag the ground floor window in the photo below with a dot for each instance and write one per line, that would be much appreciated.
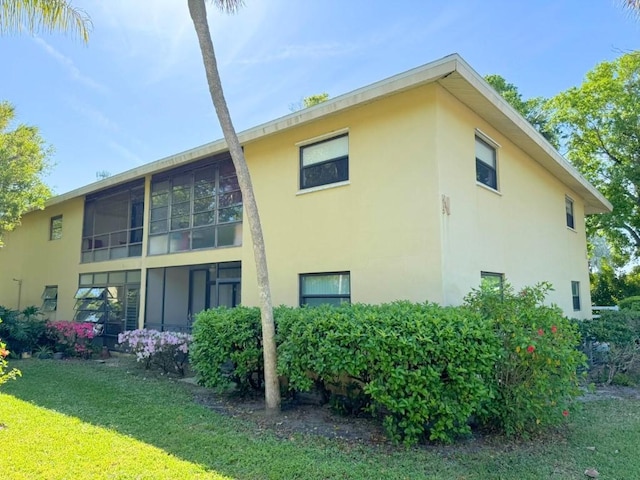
(50, 298)
(325, 288)
(175, 295)
(493, 280)
(575, 295)
(110, 300)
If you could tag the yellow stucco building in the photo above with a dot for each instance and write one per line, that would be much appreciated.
(413, 188)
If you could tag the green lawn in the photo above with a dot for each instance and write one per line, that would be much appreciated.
(87, 420)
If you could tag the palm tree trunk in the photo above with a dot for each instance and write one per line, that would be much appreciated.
(198, 13)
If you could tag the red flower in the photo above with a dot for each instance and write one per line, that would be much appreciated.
(541, 332)
(565, 413)
(554, 329)
(530, 348)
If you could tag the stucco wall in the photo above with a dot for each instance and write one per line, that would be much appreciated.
(519, 231)
(382, 226)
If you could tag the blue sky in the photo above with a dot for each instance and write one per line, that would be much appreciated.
(137, 92)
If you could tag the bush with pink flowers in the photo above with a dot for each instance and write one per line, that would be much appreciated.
(73, 339)
(166, 350)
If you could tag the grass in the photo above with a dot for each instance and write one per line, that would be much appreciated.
(86, 420)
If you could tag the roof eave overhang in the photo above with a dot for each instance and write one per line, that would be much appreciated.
(452, 72)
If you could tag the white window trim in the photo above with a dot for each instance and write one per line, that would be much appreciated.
(324, 187)
(573, 208)
(320, 138)
(496, 146)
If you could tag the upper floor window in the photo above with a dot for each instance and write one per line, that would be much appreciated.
(324, 162)
(55, 228)
(575, 295)
(50, 298)
(486, 164)
(568, 204)
(197, 207)
(112, 225)
(325, 288)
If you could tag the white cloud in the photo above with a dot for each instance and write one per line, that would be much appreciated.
(73, 71)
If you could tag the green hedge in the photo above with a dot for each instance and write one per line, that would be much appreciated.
(505, 359)
(630, 303)
(423, 367)
(227, 348)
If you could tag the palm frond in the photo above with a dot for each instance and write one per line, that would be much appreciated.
(43, 15)
(230, 6)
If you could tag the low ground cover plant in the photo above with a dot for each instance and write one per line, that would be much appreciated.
(22, 330)
(167, 350)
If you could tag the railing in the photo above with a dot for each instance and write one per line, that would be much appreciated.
(595, 310)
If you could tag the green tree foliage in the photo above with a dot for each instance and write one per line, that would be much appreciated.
(24, 157)
(534, 109)
(609, 287)
(600, 121)
(313, 100)
(43, 15)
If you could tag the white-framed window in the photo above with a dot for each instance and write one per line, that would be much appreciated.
(486, 163)
(55, 228)
(575, 295)
(50, 298)
(568, 206)
(325, 288)
(324, 162)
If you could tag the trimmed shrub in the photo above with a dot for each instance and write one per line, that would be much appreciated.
(535, 378)
(73, 339)
(613, 344)
(22, 330)
(227, 348)
(167, 350)
(423, 367)
(630, 303)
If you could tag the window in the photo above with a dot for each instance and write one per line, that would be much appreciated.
(112, 226)
(110, 300)
(195, 208)
(325, 288)
(568, 203)
(575, 294)
(493, 280)
(324, 162)
(50, 298)
(55, 228)
(486, 168)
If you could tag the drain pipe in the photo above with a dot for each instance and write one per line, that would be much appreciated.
(19, 291)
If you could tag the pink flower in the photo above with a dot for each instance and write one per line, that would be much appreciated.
(554, 329)
(540, 332)
(531, 348)
(565, 413)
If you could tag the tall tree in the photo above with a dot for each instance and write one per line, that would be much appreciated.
(43, 15)
(198, 12)
(600, 121)
(24, 156)
(534, 109)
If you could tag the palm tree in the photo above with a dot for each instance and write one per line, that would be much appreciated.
(633, 5)
(198, 13)
(43, 15)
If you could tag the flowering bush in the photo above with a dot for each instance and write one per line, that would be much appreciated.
(167, 350)
(72, 338)
(4, 374)
(535, 377)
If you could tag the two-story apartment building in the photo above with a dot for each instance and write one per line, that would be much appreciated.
(415, 187)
